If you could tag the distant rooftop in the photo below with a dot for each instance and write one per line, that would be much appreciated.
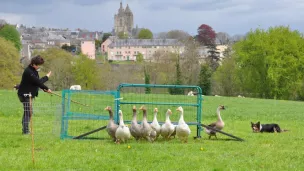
(145, 42)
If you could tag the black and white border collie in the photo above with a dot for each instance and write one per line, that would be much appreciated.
(258, 127)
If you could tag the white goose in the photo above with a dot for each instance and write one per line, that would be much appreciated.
(182, 129)
(123, 132)
(167, 128)
(155, 125)
(219, 124)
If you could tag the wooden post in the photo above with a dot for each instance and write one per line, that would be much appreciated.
(32, 130)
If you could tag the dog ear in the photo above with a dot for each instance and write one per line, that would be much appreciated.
(251, 123)
(258, 122)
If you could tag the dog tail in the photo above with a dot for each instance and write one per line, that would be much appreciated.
(278, 129)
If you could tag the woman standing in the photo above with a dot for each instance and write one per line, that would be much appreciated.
(30, 83)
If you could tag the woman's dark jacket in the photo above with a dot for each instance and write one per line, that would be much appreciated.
(30, 82)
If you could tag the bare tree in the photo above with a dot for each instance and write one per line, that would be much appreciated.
(161, 67)
(223, 38)
(161, 35)
(190, 62)
(178, 34)
(237, 37)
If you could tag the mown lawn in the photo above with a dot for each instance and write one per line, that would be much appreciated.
(265, 151)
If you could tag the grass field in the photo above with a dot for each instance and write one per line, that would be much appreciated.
(260, 151)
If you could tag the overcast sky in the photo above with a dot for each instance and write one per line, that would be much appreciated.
(231, 16)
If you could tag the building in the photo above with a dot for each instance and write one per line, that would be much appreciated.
(105, 45)
(90, 35)
(123, 20)
(128, 49)
(26, 51)
(88, 48)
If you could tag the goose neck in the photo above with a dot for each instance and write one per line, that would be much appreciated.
(181, 119)
(219, 115)
(121, 120)
(134, 116)
(155, 116)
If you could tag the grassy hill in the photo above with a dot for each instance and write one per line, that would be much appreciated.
(260, 151)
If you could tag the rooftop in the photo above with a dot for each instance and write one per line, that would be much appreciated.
(145, 42)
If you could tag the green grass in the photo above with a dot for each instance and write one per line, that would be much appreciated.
(265, 151)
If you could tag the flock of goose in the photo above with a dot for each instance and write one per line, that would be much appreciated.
(151, 131)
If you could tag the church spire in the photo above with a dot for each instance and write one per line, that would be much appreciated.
(121, 10)
(128, 9)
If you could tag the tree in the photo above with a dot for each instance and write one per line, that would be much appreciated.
(139, 57)
(147, 81)
(123, 35)
(178, 34)
(105, 37)
(225, 80)
(86, 72)
(228, 52)
(237, 37)
(206, 35)
(213, 57)
(223, 38)
(59, 62)
(10, 33)
(205, 79)
(270, 63)
(97, 44)
(145, 34)
(68, 48)
(10, 68)
(178, 80)
(190, 62)
(162, 66)
(161, 35)
(2, 22)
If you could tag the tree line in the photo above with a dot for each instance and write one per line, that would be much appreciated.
(264, 64)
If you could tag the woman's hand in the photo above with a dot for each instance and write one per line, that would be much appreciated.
(48, 91)
(49, 74)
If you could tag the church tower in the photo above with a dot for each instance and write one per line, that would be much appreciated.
(123, 20)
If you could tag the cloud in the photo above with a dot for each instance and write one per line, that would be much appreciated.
(22, 7)
(91, 2)
(232, 16)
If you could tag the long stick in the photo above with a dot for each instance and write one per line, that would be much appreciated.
(91, 132)
(32, 130)
(240, 139)
(71, 100)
